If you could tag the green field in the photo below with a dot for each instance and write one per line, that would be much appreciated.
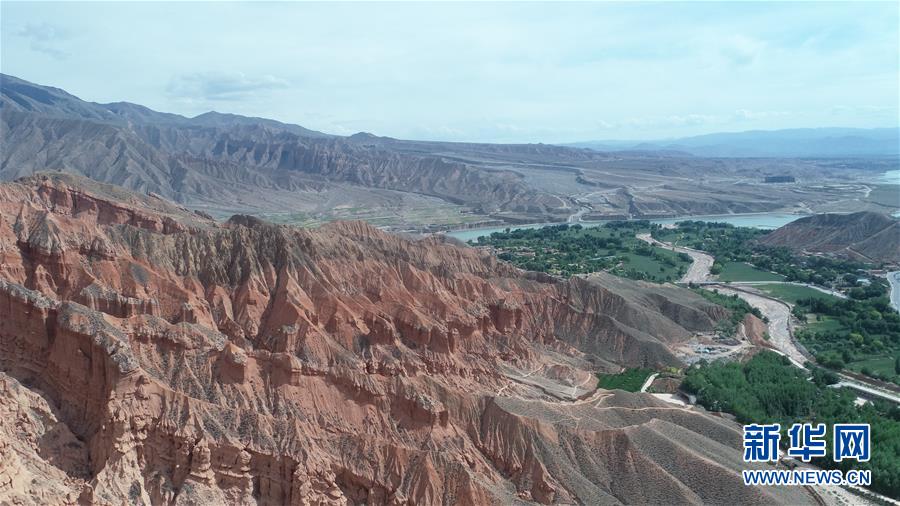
(793, 293)
(878, 365)
(655, 269)
(741, 271)
(823, 323)
(565, 250)
(768, 389)
(629, 380)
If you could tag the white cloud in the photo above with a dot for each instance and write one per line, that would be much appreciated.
(744, 114)
(742, 50)
(529, 72)
(213, 86)
(45, 38)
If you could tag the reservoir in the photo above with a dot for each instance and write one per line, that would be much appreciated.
(757, 220)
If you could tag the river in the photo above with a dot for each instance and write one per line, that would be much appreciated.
(894, 280)
(889, 177)
(756, 220)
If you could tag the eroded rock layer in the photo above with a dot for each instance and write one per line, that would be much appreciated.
(160, 357)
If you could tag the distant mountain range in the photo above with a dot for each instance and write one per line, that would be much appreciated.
(225, 164)
(798, 142)
(217, 158)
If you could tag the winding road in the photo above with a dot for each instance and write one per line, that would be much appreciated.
(576, 217)
(698, 272)
(777, 312)
(779, 315)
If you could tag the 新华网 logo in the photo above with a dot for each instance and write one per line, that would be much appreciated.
(849, 441)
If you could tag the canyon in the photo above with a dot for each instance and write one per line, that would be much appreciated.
(153, 355)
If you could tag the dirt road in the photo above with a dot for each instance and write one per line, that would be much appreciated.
(702, 262)
(576, 217)
(779, 315)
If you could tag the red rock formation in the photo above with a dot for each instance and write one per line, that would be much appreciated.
(245, 362)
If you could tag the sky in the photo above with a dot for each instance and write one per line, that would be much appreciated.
(489, 72)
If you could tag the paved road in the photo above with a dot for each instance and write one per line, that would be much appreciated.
(867, 389)
(702, 262)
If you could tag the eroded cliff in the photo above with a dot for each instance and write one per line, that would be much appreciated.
(185, 361)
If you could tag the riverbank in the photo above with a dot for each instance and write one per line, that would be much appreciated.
(770, 220)
(701, 262)
(894, 280)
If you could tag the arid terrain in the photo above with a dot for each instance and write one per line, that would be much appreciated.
(226, 164)
(866, 236)
(152, 355)
(449, 253)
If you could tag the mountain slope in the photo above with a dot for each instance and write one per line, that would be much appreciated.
(865, 235)
(249, 363)
(22, 96)
(227, 164)
(197, 160)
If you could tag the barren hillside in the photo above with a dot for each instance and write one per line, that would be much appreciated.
(159, 357)
(227, 164)
(864, 236)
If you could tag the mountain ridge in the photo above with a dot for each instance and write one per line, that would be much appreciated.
(184, 360)
(24, 96)
(867, 236)
(188, 158)
(225, 164)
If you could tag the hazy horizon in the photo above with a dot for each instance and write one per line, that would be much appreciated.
(552, 73)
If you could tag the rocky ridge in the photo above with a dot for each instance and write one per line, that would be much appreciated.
(866, 236)
(178, 360)
(218, 156)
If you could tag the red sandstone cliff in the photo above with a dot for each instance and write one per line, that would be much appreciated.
(162, 358)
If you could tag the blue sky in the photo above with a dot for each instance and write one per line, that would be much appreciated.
(506, 72)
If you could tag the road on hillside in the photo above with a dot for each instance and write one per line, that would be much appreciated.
(576, 217)
(700, 266)
(870, 390)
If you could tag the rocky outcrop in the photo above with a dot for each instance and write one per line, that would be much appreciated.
(195, 362)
